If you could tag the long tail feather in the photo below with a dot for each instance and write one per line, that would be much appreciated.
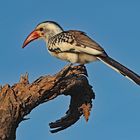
(120, 68)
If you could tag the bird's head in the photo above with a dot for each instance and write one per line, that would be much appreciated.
(44, 30)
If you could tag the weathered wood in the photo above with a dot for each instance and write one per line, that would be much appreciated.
(20, 99)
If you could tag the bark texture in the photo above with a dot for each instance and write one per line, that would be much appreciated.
(20, 99)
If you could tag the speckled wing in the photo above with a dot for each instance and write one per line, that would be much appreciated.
(85, 43)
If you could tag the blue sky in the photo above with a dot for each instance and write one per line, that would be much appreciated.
(115, 25)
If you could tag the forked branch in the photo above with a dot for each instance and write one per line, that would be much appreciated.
(20, 99)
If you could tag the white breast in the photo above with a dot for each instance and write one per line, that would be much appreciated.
(73, 53)
(81, 58)
(70, 57)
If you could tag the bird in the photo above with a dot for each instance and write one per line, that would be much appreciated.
(76, 46)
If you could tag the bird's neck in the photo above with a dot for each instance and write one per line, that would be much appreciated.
(52, 33)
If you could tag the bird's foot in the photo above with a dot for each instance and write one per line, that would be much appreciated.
(81, 68)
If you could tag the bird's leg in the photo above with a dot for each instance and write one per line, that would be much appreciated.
(63, 72)
(66, 69)
(68, 66)
(82, 67)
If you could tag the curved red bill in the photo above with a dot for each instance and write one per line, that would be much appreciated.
(32, 36)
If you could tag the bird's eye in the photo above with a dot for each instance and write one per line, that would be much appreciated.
(41, 29)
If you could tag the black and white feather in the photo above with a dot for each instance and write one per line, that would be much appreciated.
(76, 47)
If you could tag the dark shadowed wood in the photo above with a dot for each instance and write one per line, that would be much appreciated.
(20, 99)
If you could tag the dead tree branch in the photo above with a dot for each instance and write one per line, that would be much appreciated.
(20, 99)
